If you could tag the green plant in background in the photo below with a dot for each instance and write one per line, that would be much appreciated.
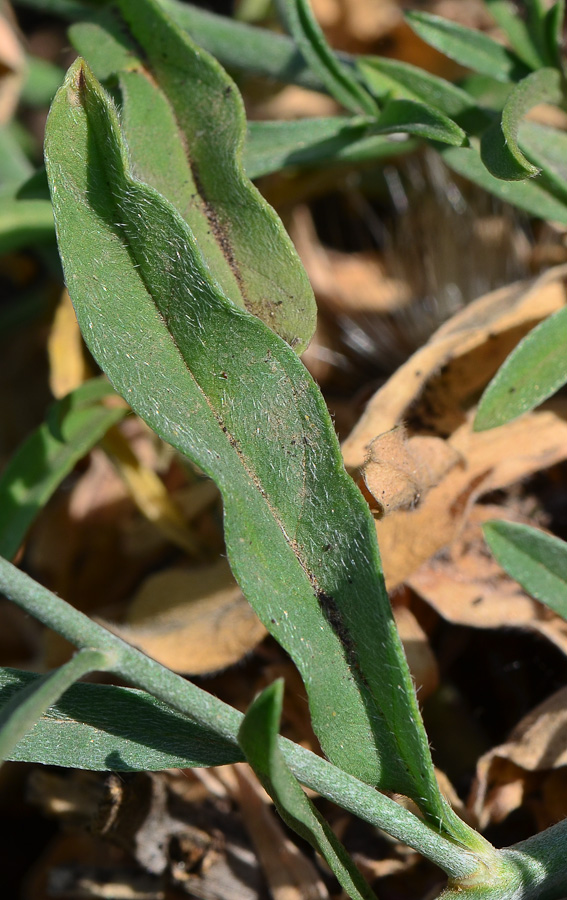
(192, 300)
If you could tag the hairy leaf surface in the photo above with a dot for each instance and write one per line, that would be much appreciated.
(101, 727)
(174, 90)
(219, 385)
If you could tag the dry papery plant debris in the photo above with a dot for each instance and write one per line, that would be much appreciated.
(425, 283)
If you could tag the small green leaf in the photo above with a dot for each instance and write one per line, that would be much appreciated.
(395, 80)
(72, 428)
(547, 148)
(553, 35)
(19, 715)
(500, 150)
(300, 539)
(534, 559)
(43, 80)
(521, 34)
(272, 146)
(535, 370)
(418, 119)
(24, 223)
(469, 48)
(181, 93)
(100, 727)
(531, 196)
(339, 79)
(258, 737)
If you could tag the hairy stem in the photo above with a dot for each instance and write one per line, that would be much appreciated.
(141, 671)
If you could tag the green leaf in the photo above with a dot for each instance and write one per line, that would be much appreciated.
(392, 79)
(553, 37)
(535, 370)
(43, 80)
(15, 166)
(272, 146)
(469, 48)
(418, 119)
(24, 223)
(547, 148)
(338, 78)
(225, 390)
(100, 727)
(531, 196)
(183, 95)
(534, 559)
(223, 721)
(500, 150)
(19, 715)
(73, 426)
(258, 737)
(521, 33)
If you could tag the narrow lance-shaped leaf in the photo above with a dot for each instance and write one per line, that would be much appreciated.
(523, 35)
(547, 148)
(535, 370)
(390, 78)
(274, 145)
(220, 386)
(101, 727)
(468, 47)
(339, 79)
(258, 737)
(218, 720)
(420, 120)
(73, 426)
(179, 92)
(554, 22)
(533, 196)
(500, 150)
(26, 707)
(534, 559)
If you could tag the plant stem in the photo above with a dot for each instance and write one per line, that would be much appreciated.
(313, 771)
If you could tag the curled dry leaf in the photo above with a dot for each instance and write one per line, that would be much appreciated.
(492, 460)
(401, 470)
(530, 768)
(431, 390)
(194, 621)
(470, 588)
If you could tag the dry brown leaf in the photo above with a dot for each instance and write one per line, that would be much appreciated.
(420, 657)
(12, 66)
(192, 620)
(346, 283)
(67, 364)
(293, 102)
(492, 460)
(470, 588)
(430, 391)
(529, 768)
(400, 471)
(149, 492)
